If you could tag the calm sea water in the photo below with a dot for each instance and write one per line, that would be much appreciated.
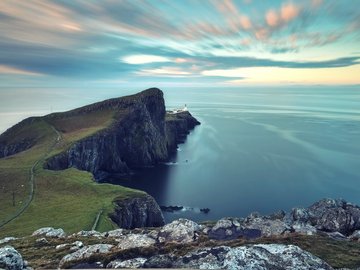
(260, 150)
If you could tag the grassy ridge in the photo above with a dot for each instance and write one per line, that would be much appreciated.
(68, 199)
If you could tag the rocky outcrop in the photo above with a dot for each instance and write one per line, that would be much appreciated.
(271, 256)
(141, 135)
(11, 259)
(328, 215)
(179, 231)
(85, 253)
(129, 264)
(136, 212)
(50, 232)
(135, 241)
(231, 228)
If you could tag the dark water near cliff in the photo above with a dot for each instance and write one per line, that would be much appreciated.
(260, 150)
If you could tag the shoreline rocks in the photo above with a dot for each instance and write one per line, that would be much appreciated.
(227, 244)
(137, 212)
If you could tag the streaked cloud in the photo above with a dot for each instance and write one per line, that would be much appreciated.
(144, 59)
(105, 40)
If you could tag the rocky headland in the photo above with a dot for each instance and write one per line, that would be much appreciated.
(112, 137)
(323, 236)
(142, 134)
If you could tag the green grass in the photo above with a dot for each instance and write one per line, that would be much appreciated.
(68, 199)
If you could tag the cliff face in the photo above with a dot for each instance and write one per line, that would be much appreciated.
(142, 134)
(137, 212)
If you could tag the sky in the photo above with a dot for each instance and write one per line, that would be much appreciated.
(195, 42)
(89, 44)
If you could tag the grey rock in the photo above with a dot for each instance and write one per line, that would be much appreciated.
(62, 246)
(10, 259)
(132, 263)
(135, 241)
(89, 233)
(271, 256)
(336, 236)
(160, 261)
(304, 228)
(84, 253)
(136, 212)
(113, 233)
(73, 247)
(231, 228)
(355, 235)
(329, 215)
(180, 231)
(7, 240)
(267, 225)
(42, 241)
(50, 232)
(78, 244)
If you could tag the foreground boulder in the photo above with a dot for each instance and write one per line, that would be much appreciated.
(132, 263)
(180, 231)
(135, 241)
(11, 259)
(85, 253)
(271, 256)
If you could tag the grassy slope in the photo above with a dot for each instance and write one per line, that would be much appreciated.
(68, 199)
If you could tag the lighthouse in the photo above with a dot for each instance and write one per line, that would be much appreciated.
(185, 108)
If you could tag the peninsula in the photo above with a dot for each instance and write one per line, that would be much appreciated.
(48, 164)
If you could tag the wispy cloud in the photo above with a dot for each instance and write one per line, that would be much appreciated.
(107, 39)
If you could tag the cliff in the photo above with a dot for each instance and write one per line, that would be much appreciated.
(137, 212)
(115, 136)
(141, 134)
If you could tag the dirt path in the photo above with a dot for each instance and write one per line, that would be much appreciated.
(32, 180)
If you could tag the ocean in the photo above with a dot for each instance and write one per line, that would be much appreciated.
(259, 149)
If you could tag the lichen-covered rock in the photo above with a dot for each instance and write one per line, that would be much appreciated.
(7, 240)
(303, 228)
(135, 241)
(274, 225)
(50, 232)
(329, 215)
(136, 212)
(180, 231)
(231, 228)
(129, 264)
(113, 233)
(85, 253)
(260, 257)
(88, 233)
(11, 259)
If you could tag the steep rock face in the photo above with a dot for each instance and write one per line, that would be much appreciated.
(139, 136)
(136, 212)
